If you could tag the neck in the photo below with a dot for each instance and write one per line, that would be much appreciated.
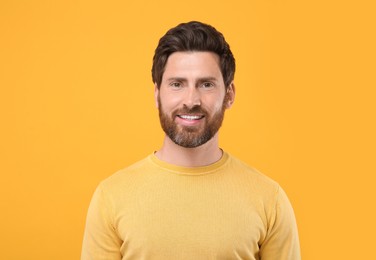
(202, 155)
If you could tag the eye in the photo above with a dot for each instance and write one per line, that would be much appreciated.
(207, 85)
(175, 84)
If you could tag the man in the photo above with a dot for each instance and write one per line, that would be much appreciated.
(190, 199)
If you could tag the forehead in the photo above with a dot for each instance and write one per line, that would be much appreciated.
(193, 64)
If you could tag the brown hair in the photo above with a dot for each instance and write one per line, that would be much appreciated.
(193, 36)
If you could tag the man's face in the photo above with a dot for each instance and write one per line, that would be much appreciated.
(192, 98)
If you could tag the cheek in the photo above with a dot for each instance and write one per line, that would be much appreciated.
(168, 103)
(217, 105)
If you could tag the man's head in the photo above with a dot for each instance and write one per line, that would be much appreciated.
(193, 71)
(193, 36)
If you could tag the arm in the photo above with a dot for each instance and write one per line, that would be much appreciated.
(101, 241)
(282, 241)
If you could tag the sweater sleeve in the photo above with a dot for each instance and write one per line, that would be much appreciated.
(282, 241)
(101, 241)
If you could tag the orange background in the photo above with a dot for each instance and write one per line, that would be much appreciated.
(76, 104)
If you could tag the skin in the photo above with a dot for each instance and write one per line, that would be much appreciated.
(192, 79)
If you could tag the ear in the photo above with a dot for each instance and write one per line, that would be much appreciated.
(156, 94)
(230, 93)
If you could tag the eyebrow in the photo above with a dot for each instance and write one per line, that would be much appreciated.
(203, 79)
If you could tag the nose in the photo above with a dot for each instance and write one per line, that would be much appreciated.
(192, 97)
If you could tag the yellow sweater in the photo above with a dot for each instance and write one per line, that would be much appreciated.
(155, 210)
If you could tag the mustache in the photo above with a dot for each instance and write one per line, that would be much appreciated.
(193, 110)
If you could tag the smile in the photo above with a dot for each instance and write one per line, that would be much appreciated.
(190, 117)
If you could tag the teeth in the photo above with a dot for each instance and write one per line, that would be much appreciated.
(190, 117)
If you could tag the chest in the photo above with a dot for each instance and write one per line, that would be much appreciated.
(190, 222)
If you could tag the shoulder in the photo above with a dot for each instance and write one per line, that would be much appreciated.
(252, 177)
(126, 177)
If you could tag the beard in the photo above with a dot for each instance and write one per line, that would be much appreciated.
(191, 136)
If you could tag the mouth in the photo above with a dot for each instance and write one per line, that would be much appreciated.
(191, 117)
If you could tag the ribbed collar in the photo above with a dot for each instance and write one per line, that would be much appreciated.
(201, 170)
